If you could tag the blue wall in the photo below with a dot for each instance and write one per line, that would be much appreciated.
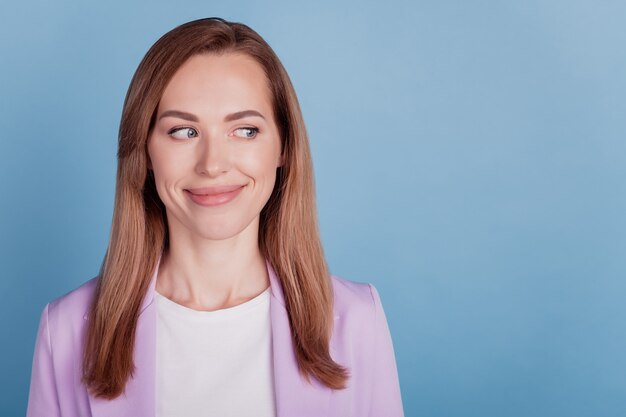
(470, 162)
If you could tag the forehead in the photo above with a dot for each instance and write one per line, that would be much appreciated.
(218, 84)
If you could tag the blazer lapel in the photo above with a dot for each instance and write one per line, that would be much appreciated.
(138, 399)
(294, 395)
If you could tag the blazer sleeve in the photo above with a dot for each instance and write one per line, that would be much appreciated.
(43, 399)
(386, 396)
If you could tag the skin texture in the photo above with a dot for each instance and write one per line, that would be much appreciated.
(213, 260)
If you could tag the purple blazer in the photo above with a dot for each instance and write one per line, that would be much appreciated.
(360, 341)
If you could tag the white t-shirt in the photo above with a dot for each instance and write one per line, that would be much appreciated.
(216, 363)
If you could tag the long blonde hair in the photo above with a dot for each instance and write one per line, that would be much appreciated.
(288, 233)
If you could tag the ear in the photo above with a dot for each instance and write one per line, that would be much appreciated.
(281, 160)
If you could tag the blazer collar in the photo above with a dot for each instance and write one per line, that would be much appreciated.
(294, 395)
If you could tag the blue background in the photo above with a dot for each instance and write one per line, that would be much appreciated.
(470, 162)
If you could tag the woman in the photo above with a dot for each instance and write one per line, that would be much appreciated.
(214, 296)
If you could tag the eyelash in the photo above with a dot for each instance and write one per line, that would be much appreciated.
(255, 130)
(171, 132)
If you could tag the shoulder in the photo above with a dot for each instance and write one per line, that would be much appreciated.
(72, 308)
(57, 359)
(355, 299)
(361, 342)
(62, 327)
(356, 304)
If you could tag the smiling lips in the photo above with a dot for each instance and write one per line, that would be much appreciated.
(214, 196)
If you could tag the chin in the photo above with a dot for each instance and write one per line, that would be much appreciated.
(216, 227)
(218, 232)
(222, 230)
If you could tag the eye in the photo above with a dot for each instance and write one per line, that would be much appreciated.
(183, 133)
(246, 132)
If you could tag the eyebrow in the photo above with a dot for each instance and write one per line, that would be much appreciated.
(242, 114)
(179, 114)
(193, 118)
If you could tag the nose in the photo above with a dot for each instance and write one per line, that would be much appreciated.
(213, 156)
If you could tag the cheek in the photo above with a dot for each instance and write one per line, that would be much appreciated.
(165, 162)
(165, 167)
(260, 162)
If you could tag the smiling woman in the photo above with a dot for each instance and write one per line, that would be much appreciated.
(214, 297)
(212, 142)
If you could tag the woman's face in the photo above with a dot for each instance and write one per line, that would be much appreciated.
(215, 146)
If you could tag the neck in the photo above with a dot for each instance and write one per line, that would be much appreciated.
(209, 275)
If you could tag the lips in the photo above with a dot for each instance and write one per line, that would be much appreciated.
(214, 196)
